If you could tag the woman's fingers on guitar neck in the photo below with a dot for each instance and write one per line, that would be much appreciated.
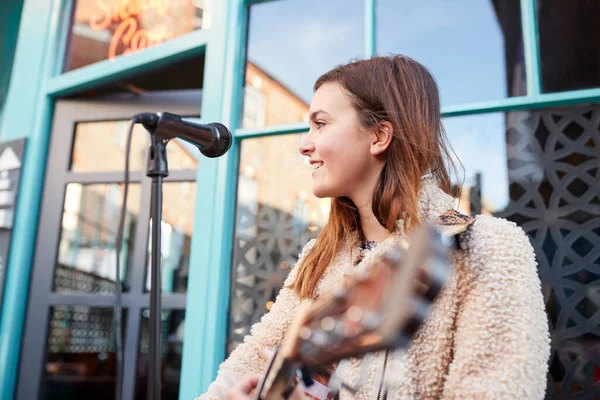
(267, 353)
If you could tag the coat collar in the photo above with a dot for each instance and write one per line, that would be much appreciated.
(433, 201)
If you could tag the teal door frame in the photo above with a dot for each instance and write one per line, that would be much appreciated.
(27, 113)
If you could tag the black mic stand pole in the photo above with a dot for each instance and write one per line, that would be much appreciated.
(157, 169)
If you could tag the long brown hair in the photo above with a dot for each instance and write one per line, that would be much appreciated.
(402, 91)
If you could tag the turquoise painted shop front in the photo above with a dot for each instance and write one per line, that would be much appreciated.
(226, 185)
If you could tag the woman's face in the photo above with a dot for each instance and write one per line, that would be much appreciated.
(338, 148)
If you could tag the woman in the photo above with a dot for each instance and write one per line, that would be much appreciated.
(379, 150)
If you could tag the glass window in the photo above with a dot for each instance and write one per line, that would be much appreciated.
(567, 33)
(86, 253)
(80, 355)
(312, 37)
(173, 322)
(536, 168)
(105, 29)
(179, 205)
(100, 147)
(473, 48)
(277, 215)
(479, 143)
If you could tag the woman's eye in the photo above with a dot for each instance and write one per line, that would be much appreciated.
(320, 124)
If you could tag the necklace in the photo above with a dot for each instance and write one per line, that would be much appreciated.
(368, 244)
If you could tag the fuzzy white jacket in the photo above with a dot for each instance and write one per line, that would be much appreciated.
(486, 336)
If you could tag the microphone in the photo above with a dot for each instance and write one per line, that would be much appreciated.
(213, 140)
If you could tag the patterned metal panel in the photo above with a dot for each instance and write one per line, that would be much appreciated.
(267, 244)
(553, 159)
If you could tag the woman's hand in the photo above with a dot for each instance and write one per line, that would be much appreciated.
(242, 390)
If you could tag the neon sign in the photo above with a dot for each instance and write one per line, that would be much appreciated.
(127, 32)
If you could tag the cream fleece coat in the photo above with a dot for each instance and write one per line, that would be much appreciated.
(486, 336)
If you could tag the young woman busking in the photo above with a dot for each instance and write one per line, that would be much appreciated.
(379, 150)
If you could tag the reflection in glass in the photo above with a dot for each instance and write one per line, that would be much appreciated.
(473, 48)
(106, 29)
(171, 350)
(281, 69)
(548, 185)
(479, 142)
(80, 358)
(179, 204)
(277, 215)
(86, 253)
(568, 31)
(182, 155)
(100, 147)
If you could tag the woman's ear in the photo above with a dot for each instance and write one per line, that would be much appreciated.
(383, 135)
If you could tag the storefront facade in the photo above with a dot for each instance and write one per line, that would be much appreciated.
(520, 96)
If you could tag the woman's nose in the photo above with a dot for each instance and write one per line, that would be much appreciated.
(307, 146)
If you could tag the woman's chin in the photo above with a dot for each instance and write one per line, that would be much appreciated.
(320, 192)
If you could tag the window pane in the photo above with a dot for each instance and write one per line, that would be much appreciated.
(105, 29)
(80, 358)
(100, 147)
(537, 168)
(479, 142)
(312, 37)
(276, 215)
(182, 155)
(179, 205)
(567, 33)
(540, 169)
(473, 48)
(86, 253)
(171, 351)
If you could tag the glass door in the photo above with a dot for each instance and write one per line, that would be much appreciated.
(69, 344)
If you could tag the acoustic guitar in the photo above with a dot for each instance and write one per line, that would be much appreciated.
(379, 309)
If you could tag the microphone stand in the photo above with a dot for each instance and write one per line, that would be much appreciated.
(157, 169)
(162, 128)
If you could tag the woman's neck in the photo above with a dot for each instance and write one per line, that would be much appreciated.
(372, 229)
